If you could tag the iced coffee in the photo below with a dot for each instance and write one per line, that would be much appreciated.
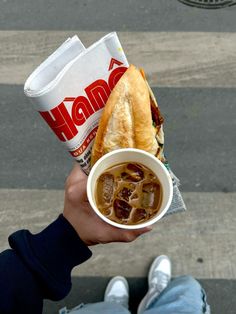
(128, 193)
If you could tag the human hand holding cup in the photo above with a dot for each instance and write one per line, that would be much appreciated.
(88, 225)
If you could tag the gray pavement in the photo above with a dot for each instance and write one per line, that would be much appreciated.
(200, 130)
(201, 242)
(170, 59)
(120, 15)
(205, 233)
(219, 294)
(189, 56)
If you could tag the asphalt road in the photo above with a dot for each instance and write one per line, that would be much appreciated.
(200, 122)
(138, 286)
(197, 101)
(119, 15)
(200, 140)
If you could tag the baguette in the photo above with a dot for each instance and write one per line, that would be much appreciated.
(128, 118)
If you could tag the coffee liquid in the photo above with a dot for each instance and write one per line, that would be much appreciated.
(128, 193)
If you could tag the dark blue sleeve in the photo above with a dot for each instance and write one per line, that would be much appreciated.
(39, 267)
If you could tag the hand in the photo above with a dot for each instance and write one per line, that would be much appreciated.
(90, 228)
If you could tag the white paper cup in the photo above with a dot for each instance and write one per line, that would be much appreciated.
(131, 155)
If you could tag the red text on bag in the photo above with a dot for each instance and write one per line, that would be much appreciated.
(65, 124)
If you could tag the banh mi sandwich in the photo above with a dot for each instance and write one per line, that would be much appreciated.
(130, 119)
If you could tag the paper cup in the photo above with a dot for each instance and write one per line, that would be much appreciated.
(131, 155)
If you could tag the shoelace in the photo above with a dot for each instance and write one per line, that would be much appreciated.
(120, 299)
(159, 281)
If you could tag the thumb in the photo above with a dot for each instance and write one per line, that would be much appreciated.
(131, 235)
(139, 232)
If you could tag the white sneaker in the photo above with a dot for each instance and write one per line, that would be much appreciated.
(117, 291)
(158, 278)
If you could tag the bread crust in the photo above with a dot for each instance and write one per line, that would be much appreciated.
(126, 120)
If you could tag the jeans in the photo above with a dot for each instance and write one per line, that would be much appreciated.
(183, 295)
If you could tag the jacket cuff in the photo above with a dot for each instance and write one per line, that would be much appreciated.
(51, 255)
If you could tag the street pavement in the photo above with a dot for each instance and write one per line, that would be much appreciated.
(190, 61)
(119, 15)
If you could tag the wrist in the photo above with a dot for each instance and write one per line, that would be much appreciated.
(51, 254)
(76, 225)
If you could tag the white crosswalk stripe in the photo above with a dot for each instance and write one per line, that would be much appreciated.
(171, 59)
(200, 242)
(206, 232)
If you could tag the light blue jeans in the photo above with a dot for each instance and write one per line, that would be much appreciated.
(183, 295)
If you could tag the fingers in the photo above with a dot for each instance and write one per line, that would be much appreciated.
(76, 175)
(132, 235)
(78, 171)
(76, 183)
(119, 235)
(139, 232)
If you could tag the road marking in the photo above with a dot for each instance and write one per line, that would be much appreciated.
(171, 59)
(201, 242)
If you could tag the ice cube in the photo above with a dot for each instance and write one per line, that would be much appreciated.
(150, 195)
(105, 189)
(122, 209)
(133, 173)
(139, 214)
(107, 211)
(134, 196)
(125, 193)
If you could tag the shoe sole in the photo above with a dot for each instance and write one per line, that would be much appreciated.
(112, 281)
